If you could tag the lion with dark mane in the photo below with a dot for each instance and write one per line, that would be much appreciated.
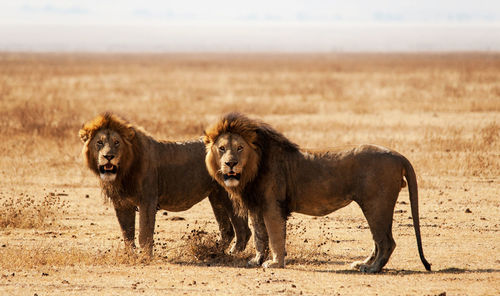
(137, 171)
(270, 177)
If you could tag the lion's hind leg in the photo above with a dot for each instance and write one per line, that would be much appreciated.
(243, 233)
(379, 216)
(220, 204)
(230, 223)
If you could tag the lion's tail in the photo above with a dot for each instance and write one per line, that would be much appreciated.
(411, 179)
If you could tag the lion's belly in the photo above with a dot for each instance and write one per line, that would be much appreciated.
(319, 206)
(178, 203)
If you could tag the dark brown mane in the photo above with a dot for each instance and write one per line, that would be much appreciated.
(130, 167)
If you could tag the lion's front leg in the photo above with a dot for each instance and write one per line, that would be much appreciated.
(276, 229)
(261, 240)
(126, 219)
(147, 218)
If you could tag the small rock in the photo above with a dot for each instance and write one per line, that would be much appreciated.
(45, 274)
(87, 196)
(177, 218)
(468, 211)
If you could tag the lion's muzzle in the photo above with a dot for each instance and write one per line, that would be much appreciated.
(231, 179)
(231, 175)
(108, 172)
(108, 168)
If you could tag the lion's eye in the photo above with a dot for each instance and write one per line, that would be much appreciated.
(222, 149)
(99, 142)
(240, 148)
(117, 143)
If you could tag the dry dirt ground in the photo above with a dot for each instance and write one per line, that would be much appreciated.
(58, 235)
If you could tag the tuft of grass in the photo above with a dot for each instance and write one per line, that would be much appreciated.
(200, 246)
(28, 212)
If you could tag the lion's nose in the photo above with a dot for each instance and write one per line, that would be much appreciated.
(109, 157)
(231, 164)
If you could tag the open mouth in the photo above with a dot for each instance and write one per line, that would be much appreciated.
(231, 175)
(108, 168)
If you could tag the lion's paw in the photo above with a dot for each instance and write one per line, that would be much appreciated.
(368, 268)
(272, 264)
(255, 262)
(237, 248)
(357, 264)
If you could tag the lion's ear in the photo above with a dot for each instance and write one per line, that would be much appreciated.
(84, 135)
(129, 133)
(206, 139)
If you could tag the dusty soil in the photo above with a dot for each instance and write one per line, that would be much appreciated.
(441, 111)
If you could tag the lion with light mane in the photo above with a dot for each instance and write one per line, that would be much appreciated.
(137, 171)
(270, 177)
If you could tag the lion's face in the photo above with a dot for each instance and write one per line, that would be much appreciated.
(106, 149)
(231, 153)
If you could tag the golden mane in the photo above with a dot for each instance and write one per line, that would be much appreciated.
(110, 121)
(255, 132)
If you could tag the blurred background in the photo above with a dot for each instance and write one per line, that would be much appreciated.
(260, 25)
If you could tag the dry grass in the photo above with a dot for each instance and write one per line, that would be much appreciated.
(411, 101)
(200, 246)
(442, 111)
(47, 255)
(27, 211)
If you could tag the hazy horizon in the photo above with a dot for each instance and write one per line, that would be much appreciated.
(222, 25)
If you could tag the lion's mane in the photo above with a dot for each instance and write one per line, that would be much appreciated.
(261, 137)
(131, 165)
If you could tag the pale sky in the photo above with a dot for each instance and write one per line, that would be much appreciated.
(257, 25)
(161, 11)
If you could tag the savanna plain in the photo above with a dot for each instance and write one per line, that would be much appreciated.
(59, 235)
